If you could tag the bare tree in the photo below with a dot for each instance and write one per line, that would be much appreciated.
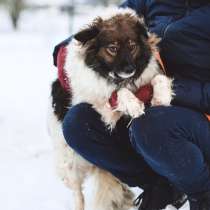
(3, 2)
(14, 8)
(117, 2)
(105, 2)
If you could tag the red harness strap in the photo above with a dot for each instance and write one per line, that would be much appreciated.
(61, 57)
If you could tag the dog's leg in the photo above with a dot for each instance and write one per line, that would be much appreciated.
(70, 167)
(110, 193)
(129, 104)
(79, 199)
(162, 91)
(73, 169)
(74, 177)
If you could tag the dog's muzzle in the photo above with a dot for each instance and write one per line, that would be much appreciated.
(122, 75)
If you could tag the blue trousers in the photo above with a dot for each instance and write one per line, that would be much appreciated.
(170, 142)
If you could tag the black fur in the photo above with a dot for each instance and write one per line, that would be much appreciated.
(61, 100)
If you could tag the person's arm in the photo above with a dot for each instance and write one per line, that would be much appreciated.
(192, 94)
(137, 5)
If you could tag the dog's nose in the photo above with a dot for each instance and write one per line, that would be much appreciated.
(128, 69)
(127, 72)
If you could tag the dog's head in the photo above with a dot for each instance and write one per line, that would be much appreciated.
(117, 48)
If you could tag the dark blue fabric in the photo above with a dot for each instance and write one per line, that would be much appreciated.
(136, 5)
(167, 139)
(175, 142)
(192, 94)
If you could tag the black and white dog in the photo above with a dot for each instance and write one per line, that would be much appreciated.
(114, 53)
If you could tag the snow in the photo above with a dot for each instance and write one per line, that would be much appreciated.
(47, 2)
(60, 2)
(28, 179)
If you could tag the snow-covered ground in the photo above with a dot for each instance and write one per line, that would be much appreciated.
(28, 179)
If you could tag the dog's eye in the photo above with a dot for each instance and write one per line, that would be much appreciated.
(112, 49)
(132, 46)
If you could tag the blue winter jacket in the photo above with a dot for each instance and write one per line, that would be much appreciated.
(184, 26)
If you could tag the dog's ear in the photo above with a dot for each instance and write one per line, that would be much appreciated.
(90, 32)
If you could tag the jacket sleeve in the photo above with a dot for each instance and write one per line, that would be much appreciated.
(192, 94)
(137, 5)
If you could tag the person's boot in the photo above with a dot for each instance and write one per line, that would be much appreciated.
(202, 202)
(159, 195)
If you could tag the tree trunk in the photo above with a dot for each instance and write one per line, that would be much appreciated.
(105, 2)
(15, 7)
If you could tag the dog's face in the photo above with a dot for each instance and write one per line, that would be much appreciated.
(116, 48)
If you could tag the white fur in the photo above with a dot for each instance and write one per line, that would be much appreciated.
(87, 86)
(125, 75)
(162, 90)
(149, 73)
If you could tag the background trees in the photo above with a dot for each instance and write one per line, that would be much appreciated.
(14, 8)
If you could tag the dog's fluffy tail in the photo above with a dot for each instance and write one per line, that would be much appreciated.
(110, 193)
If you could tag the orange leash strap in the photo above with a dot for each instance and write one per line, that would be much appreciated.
(208, 116)
(158, 58)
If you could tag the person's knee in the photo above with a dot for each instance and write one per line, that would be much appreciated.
(149, 131)
(76, 124)
(162, 137)
(161, 131)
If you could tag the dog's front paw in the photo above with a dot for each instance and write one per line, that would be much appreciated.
(129, 104)
(110, 119)
(162, 91)
(108, 115)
